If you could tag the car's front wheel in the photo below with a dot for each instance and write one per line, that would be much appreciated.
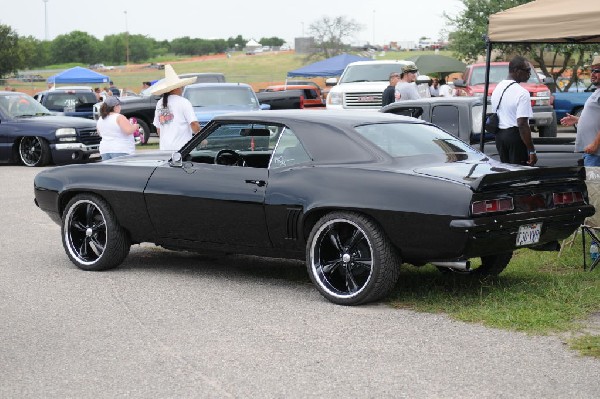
(34, 151)
(491, 265)
(350, 260)
(91, 235)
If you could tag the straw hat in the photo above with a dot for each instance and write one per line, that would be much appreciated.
(596, 60)
(171, 82)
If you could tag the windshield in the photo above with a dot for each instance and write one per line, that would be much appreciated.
(221, 96)
(369, 72)
(70, 101)
(410, 139)
(19, 105)
(497, 74)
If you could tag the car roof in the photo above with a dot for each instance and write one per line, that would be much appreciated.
(381, 62)
(219, 85)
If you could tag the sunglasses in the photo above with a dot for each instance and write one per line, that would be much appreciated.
(595, 70)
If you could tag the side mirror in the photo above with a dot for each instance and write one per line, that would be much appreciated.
(331, 82)
(459, 83)
(176, 160)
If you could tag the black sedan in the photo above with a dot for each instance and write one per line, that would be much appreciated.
(354, 194)
(31, 135)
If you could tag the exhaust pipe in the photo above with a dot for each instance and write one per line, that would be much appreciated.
(464, 265)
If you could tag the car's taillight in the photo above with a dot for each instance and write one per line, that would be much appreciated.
(492, 206)
(566, 198)
(301, 102)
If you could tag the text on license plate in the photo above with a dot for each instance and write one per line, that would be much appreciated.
(529, 234)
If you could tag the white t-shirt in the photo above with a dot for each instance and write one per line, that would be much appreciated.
(114, 141)
(446, 91)
(174, 122)
(516, 103)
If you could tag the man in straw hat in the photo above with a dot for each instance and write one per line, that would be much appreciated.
(406, 89)
(174, 118)
(588, 128)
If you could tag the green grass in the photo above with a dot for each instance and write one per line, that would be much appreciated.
(539, 293)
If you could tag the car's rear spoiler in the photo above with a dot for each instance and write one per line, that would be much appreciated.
(527, 177)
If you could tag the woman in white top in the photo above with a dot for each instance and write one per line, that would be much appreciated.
(115, 130)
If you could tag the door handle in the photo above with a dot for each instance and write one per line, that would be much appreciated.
(259, 183)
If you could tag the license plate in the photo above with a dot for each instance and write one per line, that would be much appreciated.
(529, 234)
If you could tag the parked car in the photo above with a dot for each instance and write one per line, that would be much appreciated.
(353, 194)
(462, 117)
(571, 102)
(69, 101)
(212, 99)
(473, 84)
(32, 135)
(312, 95)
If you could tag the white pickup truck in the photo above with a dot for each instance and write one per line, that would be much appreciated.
(361, 85)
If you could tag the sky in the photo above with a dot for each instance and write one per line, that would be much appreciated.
(382, 21)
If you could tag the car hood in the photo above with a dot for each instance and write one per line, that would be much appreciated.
(57, 121)
(484, 173)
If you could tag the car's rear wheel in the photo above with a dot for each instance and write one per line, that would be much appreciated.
(350, 260)
(34, 151)
(491, 265)
(91, 235)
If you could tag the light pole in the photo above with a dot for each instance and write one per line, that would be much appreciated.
(45, 19)
(302, 28)
(373, 28)
(126, 40)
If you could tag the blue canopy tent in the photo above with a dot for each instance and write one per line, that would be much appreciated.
(78, 75)
(333, 66)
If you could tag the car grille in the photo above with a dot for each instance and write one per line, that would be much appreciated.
(363, 100)
(89, 136)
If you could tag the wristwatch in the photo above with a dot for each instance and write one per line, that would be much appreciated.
(532, 152)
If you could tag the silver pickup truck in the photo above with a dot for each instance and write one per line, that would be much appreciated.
(462, 117)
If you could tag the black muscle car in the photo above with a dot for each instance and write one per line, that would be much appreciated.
(354, 194)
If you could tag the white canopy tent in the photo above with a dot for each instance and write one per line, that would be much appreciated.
(542, 21)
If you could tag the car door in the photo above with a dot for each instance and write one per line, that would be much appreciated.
(207, 202)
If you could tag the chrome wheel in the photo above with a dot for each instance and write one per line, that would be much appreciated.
(91, 235)
(34, 151)
(350, 260)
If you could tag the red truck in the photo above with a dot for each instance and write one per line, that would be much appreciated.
(473, 84)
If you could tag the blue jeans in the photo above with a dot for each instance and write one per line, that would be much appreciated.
(591, 160)
(111, 155)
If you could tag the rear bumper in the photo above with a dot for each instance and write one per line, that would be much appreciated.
(542, 115)
(492, 235)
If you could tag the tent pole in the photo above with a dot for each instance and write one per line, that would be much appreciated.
(488, 55)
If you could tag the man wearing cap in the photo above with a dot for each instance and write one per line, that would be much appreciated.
(406, 89)
(588, 128)
(174, 118)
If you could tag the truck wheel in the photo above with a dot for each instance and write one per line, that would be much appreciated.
(34, 151)
(550, 130)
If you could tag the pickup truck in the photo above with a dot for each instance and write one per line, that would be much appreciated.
(362, 84)
(571, 102)
(462, 116)
(473, 84)
(287, 99)
(312, 95)
(69, 101)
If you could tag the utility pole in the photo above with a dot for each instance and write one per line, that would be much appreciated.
(126, 41)
(45, 19)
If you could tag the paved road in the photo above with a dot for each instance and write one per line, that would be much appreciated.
(169, 324)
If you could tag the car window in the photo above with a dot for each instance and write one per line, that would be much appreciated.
(446, 117)
(57, 101)
(409, 139)
(219, 96)
(241, 144)
(289, 151)
(22, 105)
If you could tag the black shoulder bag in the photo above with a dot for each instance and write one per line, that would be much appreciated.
(492, 123)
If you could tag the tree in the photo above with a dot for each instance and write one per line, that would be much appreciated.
(76, 46)
(10, 57)
(34, 52)
(330, 34)
(467, 40)
(271, 41)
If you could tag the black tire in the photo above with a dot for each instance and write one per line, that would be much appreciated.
(34, 151)
(550, 130)
(145, 130)
(350, 260)
(491, 265)
(91, 235)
